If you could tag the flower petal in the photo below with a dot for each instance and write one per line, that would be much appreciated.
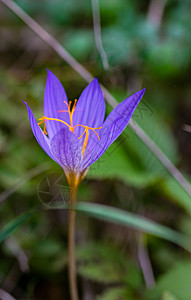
(38, 133)
(67, 150)
(112, 128)
(54, 97)
(90, 108)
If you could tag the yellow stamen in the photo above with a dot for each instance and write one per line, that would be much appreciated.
(82, 134)
(44, 118)
(71, 127)
(87, 135)
(71, 112)
(85, 141)
(44, 128)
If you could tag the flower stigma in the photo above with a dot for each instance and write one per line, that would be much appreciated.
(71, 127)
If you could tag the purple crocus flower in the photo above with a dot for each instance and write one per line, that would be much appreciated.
(76, 135)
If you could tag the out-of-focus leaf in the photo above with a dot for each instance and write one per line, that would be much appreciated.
(173, 190)
(97, 259)
(177, 281)
(116, 45)
(116, 163)
(12, 227)
(185, 225)
(48, 257)
(80, 43)
(111, 8)
(30, 7)
(116, 293)
(168, 59)
(168, 296)
(158, 131)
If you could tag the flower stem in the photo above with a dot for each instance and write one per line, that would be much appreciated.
(71, 246)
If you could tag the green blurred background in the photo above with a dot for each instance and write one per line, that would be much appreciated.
(148, 45)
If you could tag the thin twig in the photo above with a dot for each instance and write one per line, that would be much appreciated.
(97, 33)
(187, 128)
(14, 247)
(5, 296)
(156, 11)
(145, 263)
(45, 36)
(10, 281)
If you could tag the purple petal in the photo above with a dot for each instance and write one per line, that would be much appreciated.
(90, 108)
(38, 133)
(54, 97)
(112, 128)
(67, 150)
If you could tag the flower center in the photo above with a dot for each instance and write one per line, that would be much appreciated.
(71, 127)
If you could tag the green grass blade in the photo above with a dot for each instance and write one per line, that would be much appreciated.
(11, 227)
(119, 216)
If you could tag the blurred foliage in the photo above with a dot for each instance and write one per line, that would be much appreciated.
(168, 296)
(141, 53)
(105, 264)
(177, 281)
